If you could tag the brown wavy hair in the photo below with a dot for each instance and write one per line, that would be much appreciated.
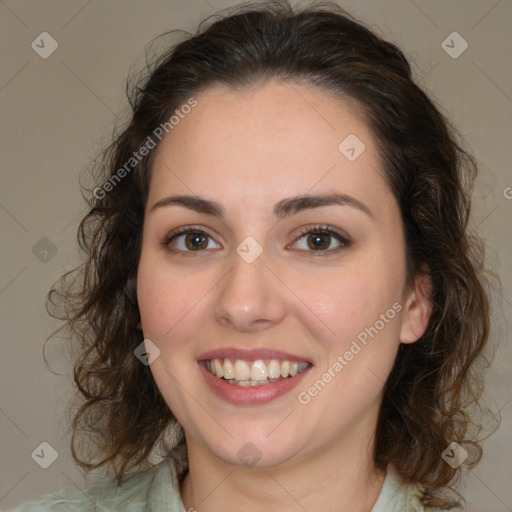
(436, 383)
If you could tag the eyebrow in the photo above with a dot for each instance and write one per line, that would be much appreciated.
(283, 208)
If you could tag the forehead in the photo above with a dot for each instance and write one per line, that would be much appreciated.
(273, 139)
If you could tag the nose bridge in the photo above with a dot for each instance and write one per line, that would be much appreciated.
(249, 297)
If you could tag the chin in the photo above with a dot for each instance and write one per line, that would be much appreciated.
(258, 450)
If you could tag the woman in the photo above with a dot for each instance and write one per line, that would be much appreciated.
(281, 292)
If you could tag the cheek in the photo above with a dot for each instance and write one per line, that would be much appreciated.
(165, 299)
(359, 305)
(351, 299)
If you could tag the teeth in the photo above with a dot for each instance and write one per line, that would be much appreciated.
(218, 368)
(273, 369)
(242, 370)
(245, 383)
(258, 373)
(229, 372)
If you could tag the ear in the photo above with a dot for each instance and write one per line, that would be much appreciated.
(139, 325)
(417, 309)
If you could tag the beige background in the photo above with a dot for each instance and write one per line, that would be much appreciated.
(56, 112)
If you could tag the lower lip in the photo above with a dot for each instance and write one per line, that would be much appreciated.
(250, 395)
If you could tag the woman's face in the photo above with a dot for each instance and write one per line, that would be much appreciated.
(263, 282)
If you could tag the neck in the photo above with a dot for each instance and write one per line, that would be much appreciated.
(337, 479)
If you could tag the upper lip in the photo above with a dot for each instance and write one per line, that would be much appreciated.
(251, 355)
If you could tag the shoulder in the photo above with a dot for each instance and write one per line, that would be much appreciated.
(155, 489)
(398, 495)
(103, 496)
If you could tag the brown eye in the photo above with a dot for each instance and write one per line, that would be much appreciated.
(195, 241)
(321, 239)
(187, 241)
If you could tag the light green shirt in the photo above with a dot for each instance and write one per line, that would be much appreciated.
(157, 490)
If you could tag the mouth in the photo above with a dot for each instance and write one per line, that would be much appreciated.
(252, 377)
(261, 372)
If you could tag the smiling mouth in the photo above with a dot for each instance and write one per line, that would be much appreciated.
(256, 373)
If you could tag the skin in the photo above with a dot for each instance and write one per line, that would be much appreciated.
(248, 149)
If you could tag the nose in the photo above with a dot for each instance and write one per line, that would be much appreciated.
(251, 298)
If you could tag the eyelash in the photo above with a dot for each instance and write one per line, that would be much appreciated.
(317, 230)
